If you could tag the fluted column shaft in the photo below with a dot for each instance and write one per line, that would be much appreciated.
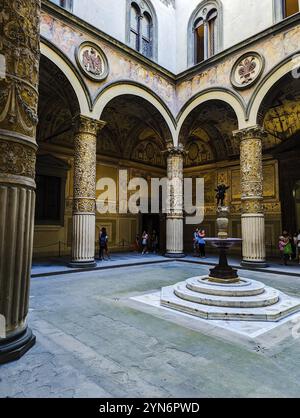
(253, 219)
(175, 210)
(19, 40)
(84, 193)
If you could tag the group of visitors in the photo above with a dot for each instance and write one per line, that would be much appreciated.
(147, 242)
(199, 242)
(289, 247)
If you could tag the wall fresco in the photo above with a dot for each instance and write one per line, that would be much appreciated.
(122, 66)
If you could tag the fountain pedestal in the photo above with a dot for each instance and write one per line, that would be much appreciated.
(223, 294)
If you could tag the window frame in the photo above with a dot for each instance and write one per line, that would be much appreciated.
(279, 10)
(145, 8)
(65, 4)
(207, 10)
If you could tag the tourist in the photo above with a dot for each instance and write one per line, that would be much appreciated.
(103, 245)
(145, 239)
(154, 242)
(285, 244)
(137, 244)
(294, 243)
(195, 241)
(298, 246)
(202, 243)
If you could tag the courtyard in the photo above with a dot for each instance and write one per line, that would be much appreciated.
(93, 340)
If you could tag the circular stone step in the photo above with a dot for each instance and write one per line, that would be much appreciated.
(244, 288)
(268, 298)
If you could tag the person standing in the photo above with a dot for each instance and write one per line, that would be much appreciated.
(287, 250)
(103, 245)
(195, 241)
(298, 246)
(154, 241)
(145, 238)
(202, 243)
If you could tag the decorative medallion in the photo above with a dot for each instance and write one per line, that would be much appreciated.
(92, 61)
(247, 70)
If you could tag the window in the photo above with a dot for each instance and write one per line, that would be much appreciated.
(66, 4)
(205, 33)
(289, 7)
(141, 19)
(48, 204)
(285, 8)
(204, 37)
(51, 175)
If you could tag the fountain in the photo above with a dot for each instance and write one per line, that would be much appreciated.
(222, 294)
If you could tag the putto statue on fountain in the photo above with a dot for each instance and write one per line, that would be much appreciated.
(221, 194)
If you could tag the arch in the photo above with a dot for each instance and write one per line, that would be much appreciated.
(128, 88)
(209, 5)
(76, 82)
(291, 63)
(228, 97)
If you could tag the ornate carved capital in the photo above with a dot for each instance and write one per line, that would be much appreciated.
(256, 132)
(175, 151)
(84, 125)
(19, 40)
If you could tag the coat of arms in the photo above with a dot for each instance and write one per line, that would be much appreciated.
(247, 70)
(92, 61)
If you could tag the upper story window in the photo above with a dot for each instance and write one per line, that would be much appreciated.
(204, 35)
(289, 7)
(286, 8)
(66, 4)
(141, 30)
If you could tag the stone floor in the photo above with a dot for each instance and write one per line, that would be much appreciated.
(57, 265)
(91, 342)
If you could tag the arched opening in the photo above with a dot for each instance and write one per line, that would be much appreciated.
(279, 114)
(213, 154)
(58, 104)
(134, 140)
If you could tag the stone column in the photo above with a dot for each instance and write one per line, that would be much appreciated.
(84, 193)
(19, 71)
(253, 219)
(175, 209)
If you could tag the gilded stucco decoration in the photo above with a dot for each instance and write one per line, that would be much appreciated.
(86, 130)
(175, 172)
(17, 159)
(251, 168)
(19, 40)
(92, 61)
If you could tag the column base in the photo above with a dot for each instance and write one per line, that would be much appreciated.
(82, 264)
(254, 264)
(175, 255)
(14, 348)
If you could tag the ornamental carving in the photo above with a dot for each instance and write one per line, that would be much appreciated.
(86, 130)
(81, 205)
(19, 40)
(247, 70)
(92, 61)
(17, 159)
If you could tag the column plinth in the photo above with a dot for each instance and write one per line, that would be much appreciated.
(253, 218)
(19, 39)
(84, 193)
(175, 210)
